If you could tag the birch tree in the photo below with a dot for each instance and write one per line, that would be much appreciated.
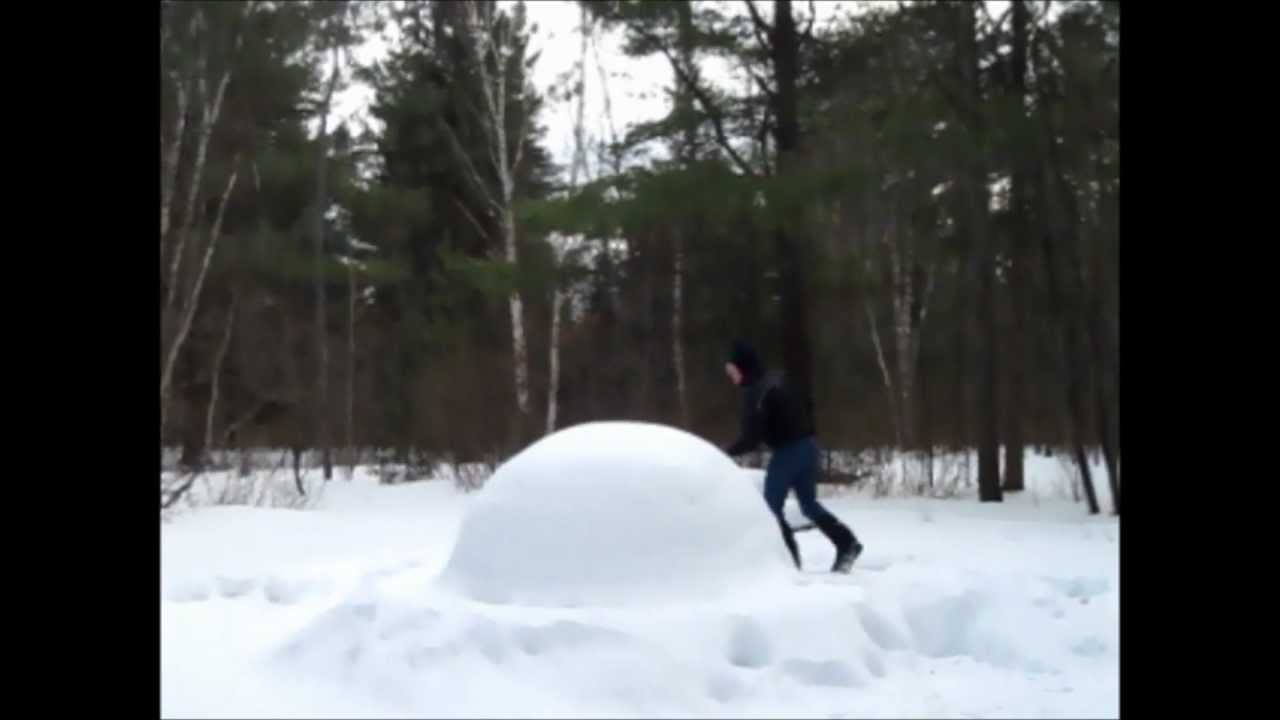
(685, 40)
(210, 74)
(193, 300)
(339, 29)
(210, 90)
(563, 246)
(910, 281)
(321, 201)
(491, 40)
(179, 81)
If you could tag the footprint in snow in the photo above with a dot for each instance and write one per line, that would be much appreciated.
(880, 629)
(749, 647)
(1079, 588)
(229, 587)
(725, 688)
(825, 673)
(285, 591)
(1089, 647)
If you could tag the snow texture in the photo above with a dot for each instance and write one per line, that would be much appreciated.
(346, 609)
(615, 513)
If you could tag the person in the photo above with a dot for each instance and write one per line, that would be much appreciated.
(774, 414)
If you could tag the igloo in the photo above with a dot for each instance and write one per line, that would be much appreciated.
(615, 513)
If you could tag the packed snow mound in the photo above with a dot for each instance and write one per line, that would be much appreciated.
(616, 513)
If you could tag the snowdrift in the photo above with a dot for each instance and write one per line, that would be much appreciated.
(615, 513)
(338, 612)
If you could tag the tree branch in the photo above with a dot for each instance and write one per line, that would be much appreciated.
(763, 30)
(177, 494)
(762, 137)
(478, 27)
(769, 92)
(884, 366)
(485, 194)
(762, 132)
(807, 35)
(217, 373)
(520, 134)
(709, 107)
(608, 102)
(480, 228)
(993, 22)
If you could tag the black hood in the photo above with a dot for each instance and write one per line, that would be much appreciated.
(747, 361)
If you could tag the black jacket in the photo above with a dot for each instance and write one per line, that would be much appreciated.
(772, 413)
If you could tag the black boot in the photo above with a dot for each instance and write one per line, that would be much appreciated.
(847, 546)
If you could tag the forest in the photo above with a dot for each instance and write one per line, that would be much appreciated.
(911, 208)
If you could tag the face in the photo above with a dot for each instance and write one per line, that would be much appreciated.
(735, 375)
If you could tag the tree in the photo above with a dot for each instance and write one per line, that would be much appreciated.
(562, 246)
(655, 28)
(497, 53)
(340, 27)
(211, 75)
(1019, 255)
(430, 210)
(940, 186)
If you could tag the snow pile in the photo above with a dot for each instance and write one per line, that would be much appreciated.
(615, 513)
(956, 609)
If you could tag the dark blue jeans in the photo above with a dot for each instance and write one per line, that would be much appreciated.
(795, 467)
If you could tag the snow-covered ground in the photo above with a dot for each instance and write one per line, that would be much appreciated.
(359, 607)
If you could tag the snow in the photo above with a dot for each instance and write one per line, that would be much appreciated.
(355, 607)
(615, 513)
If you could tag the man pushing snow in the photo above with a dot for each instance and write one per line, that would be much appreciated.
(774, 414)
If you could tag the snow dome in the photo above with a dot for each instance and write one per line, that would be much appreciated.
(615, 513)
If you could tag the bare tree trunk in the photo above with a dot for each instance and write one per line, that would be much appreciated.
(793, 253)
(170, 152)
(677, 330)
(297, 471)
(578, 167)
(193, 302)
(1106, 424)
(322, 345)
(1014, 471)
(217, 372)
(482, 25)
(903, 297)
(608, 106)
(687, 151)
(909, 303)
(351, 368)
(977, 195)
(1102, 350)
(497, 93)
(170, 171)
(557, 302)
(211, 108)
(910, 309)
(1092, 331)
(963, 365)
(1049, 178)
(1073, 356)
(885, 374)
(515, 304)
